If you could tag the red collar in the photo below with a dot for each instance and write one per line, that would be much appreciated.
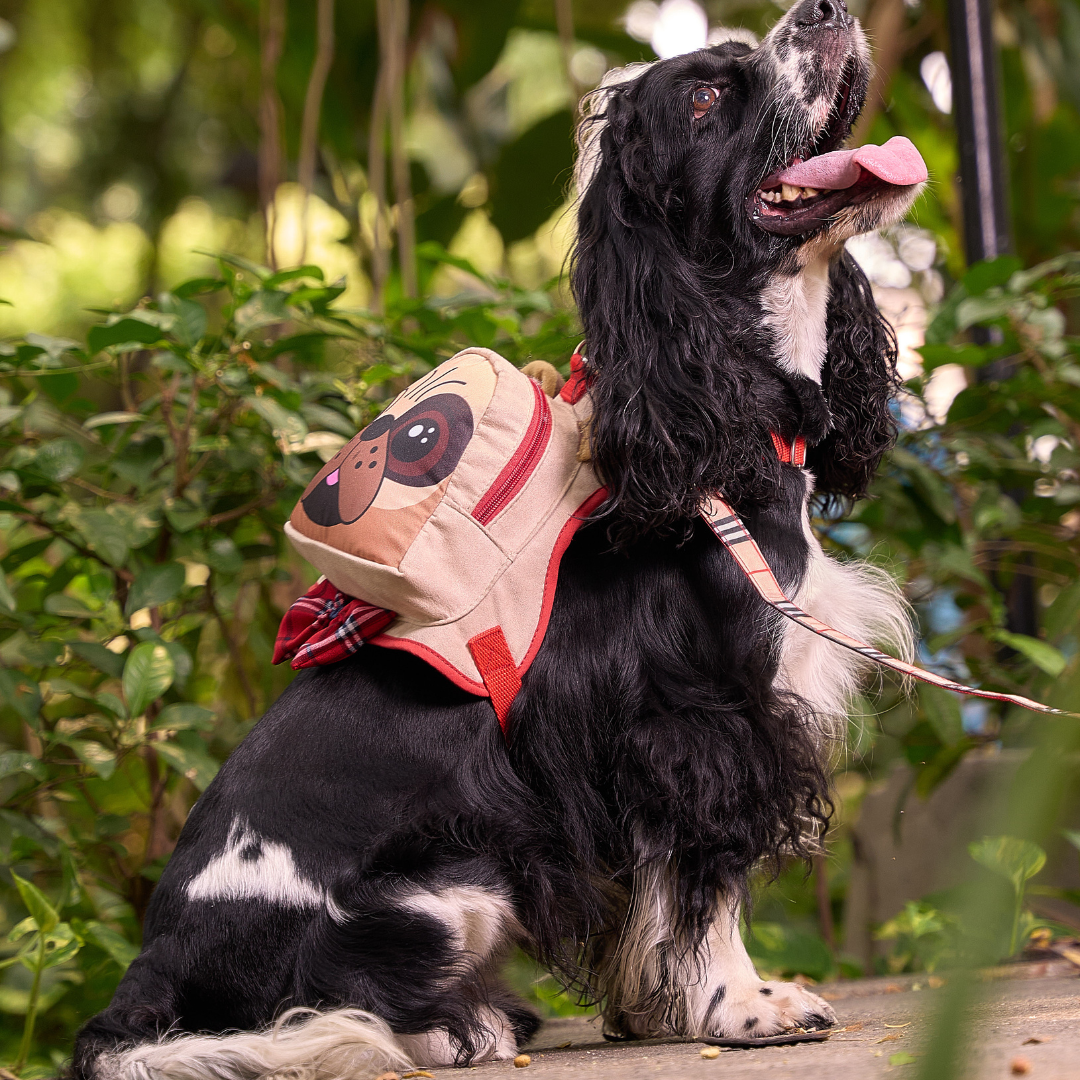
(793, 453)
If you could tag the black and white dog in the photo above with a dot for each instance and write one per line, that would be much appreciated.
(374, 847)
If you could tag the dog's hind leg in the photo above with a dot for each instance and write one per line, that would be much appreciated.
(729, 1000)
(425, 958)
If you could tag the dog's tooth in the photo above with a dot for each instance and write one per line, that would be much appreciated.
(810, 192)
(790, 194)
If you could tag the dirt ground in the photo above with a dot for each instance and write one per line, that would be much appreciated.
(879, 1019)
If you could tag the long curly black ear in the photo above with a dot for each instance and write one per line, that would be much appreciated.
(677, 406)
(859, 381)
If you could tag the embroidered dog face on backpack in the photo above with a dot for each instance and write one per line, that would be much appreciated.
(374, 495)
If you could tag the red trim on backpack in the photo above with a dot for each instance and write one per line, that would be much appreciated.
(496, 666)
(521, 465)
(566, 534)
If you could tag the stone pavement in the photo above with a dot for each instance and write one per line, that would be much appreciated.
(879, 1019)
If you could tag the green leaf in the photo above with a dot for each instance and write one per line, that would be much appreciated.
(274, 280)
(264, 308)
(103, 534)
(943, 711)
(190, 322)
(92, 754)
(197, 287)
(928, 484)
(187, 754)
(1012, 858)
(61, 944)
(183, 716)
(106, 418)
(98, 656)
(154, 586)
(67, 606)
(123, 332)
(934, 356)
(116, 945)
(59, 459)
(7, 600)
(53, 347)
(287, 426)
(13, 762)
(1043, 655)
(15, 558)
(183, 515)
(985, 275)
(902, 1058)
(1073, 836)
(41, 911)
(148, 673)
(21, 929)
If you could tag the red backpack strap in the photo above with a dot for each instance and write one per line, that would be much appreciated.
(574, 388)
(498, 670)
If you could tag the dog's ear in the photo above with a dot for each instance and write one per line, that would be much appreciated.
(859, 381)
(678, 413)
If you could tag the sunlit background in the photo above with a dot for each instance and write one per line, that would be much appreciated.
(129, 142)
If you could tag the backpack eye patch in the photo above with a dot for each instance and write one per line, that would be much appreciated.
(418, 449)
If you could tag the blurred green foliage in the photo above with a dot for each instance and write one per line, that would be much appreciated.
(161, 408)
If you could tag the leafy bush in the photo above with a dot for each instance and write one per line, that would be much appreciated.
(144, 480)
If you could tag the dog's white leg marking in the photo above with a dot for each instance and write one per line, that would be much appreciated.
(480, 921)
(436, 1048)
(321, 1046)
(795, 307)
(252, 867)
(639, 977)
(482, 924)
(730, 1001)
(855, 597)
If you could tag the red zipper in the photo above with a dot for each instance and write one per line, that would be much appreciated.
(520, 467)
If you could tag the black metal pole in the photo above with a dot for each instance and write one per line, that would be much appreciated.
(977, 105)
(985, 203)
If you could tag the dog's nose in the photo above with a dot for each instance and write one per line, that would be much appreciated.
(824, 13)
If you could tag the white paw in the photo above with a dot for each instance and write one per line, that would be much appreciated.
(760, 1009)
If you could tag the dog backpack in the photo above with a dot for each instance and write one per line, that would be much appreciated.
(439, 527)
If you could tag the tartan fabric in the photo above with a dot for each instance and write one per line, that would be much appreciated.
(325, 626)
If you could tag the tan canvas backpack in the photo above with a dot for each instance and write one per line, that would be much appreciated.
(452, 511)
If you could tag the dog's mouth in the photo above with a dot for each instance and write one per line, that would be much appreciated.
(813, 188)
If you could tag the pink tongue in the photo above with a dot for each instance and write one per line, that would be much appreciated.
(897, 162)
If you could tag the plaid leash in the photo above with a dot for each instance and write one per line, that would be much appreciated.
(733, 534)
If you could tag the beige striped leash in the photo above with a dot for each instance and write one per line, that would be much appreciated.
(733, 534)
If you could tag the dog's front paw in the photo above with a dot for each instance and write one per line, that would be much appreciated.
(761, 1009)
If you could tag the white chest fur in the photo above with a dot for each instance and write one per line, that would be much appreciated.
(795, 306)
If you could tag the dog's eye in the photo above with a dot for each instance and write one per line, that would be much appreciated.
(703, 97)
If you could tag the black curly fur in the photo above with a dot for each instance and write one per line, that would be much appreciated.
(860, 382)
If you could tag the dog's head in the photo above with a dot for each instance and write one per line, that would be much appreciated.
(744, 145)
(714, 199)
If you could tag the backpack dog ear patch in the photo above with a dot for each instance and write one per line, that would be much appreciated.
(375, 494)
